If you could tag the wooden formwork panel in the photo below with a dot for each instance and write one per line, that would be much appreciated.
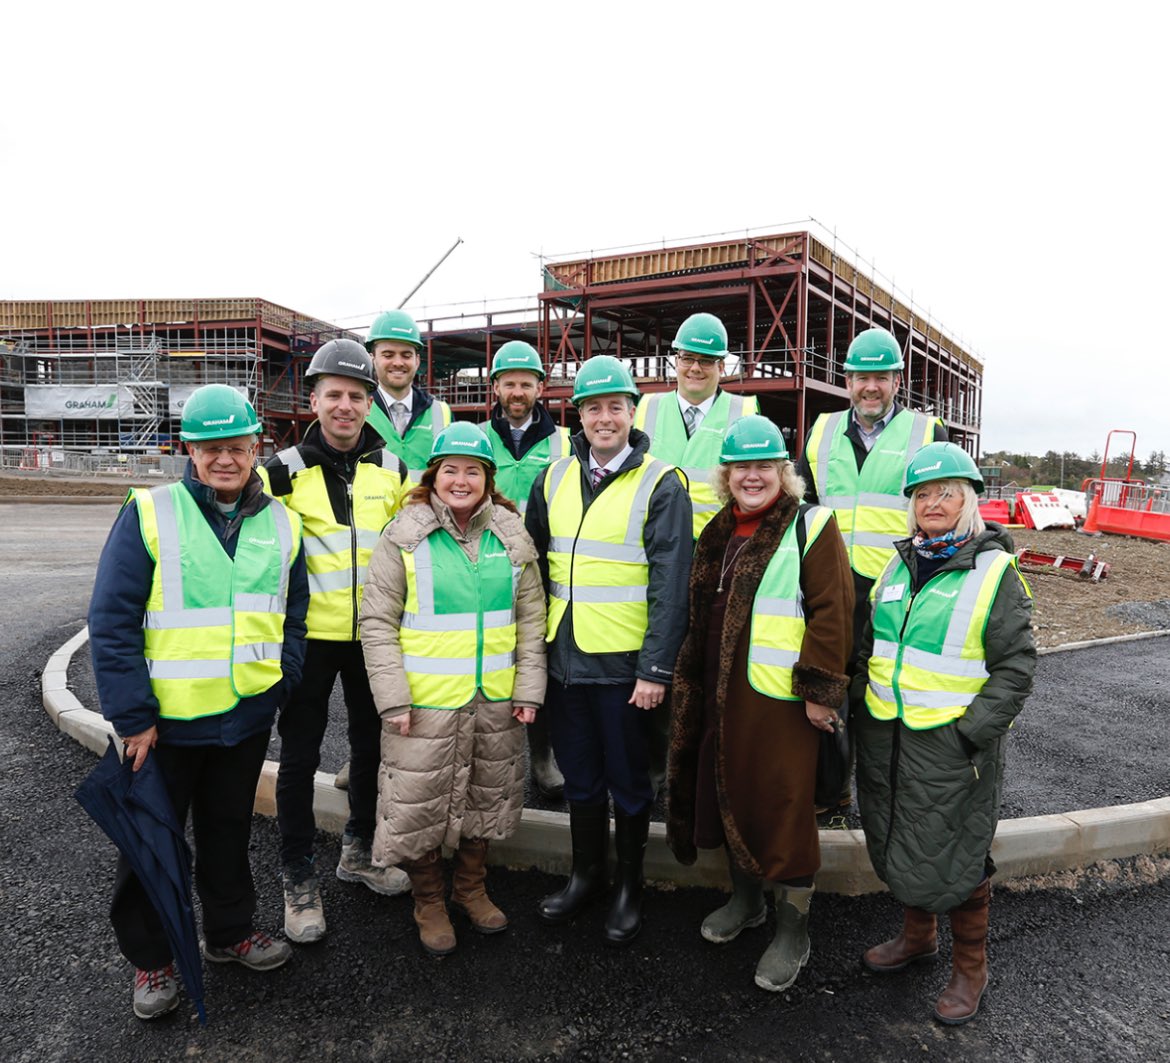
(23, 314)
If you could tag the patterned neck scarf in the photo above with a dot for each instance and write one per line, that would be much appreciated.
(939, 546)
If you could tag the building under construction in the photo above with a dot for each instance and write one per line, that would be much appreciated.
(113, 374)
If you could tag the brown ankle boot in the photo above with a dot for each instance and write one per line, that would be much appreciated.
(430, 912)
(917, 941)
(960, 1000)
(468, 893)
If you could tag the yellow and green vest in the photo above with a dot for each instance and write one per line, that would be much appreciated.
(337, 555)
(928, 664)
(777, 631)
(597, 556)
(868, 502)
(515, 476)
(415, 448)
(661, 419)
(458, 632)
(214, 625)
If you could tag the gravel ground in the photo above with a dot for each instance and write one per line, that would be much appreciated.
(1078, 961)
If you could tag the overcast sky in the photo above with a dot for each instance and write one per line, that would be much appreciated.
(1003, 163)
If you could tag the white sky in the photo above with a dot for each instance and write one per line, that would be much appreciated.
(1004, 163)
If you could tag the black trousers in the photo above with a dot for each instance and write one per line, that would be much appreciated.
(301, 727)
(217, 784)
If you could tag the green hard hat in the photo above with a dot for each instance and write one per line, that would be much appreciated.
(603, 375)
(702, 334)
(216, 411)
(516, 354)
(394, 325)
(942, 461)
(342, 357)
(752, 438)
(465, 440)
(873, 351)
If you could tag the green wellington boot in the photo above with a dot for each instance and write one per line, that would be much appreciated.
(782, 960)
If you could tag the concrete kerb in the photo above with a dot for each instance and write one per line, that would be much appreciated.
(1029, 846)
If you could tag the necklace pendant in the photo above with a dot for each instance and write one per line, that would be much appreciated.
(719, 589)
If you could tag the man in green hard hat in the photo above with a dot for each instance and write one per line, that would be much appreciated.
(613, 525)
(197, 632)
(346, 486)
(525, 440)
(403, 414)
(854, 461)
(686, 426)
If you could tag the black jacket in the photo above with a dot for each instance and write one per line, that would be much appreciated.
(668, 540)
(117, 646)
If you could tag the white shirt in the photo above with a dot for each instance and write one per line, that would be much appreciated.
(869, 435)
(610, 466)
(704, 407)
(408, 402)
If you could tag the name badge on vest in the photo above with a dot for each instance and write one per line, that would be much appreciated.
(894, 592)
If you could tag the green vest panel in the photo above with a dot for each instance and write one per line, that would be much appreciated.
(515, 476)
(458, 631)
(214, 626)
(415, 449)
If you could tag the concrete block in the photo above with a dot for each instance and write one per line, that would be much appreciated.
(1036, 845)
(1123, 830)
(845, 866)
(88, 728)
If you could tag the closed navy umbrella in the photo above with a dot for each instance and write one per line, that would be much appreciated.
(134, 809)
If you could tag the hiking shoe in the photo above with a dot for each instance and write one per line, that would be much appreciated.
(355, 866)
(257, 951)
(155, 992)
(304, 914)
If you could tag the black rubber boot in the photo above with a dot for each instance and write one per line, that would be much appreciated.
(625, 913)
(589, 826)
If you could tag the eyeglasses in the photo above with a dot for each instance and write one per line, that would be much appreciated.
(235, 453)
(688, 361)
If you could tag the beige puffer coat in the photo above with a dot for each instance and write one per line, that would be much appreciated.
(459, 773)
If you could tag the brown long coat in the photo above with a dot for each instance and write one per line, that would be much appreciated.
(765, 753)
(460, 772)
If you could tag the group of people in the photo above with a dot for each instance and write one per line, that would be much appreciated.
(664, 579)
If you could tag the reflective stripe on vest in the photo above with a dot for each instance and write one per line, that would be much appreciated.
(214, 626)
(698, 455)
(458, 631)
(597, 556)
(868, 502)
(337, 554)
(777, 631)
(927, 667)
(415, 448)
(515, 476)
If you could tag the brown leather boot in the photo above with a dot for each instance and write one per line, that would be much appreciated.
(917, 941)
(430, 912)
(960, 1000)
(468, 893)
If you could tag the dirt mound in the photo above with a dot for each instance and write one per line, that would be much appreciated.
(13, 485)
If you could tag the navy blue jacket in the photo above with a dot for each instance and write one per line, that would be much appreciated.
(117, 644)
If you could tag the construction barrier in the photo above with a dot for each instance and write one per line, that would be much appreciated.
(996, 509)
(1129, 507)
(1042, 509)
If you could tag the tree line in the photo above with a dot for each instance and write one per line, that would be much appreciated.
(1066, 469)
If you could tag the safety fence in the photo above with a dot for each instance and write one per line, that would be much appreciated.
(40, 461)
(1129, 507)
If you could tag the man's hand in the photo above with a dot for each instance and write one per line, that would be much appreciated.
(647, 695)
(137, 746)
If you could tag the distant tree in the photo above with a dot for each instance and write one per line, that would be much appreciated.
(1156, 466)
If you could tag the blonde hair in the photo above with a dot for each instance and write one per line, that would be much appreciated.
(790, 483)
(969, 520)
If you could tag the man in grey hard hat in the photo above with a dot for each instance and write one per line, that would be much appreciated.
(346, 487)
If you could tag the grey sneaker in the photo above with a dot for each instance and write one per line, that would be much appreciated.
(155, 992)
(355, 866)
(257, 951)
(304, 914)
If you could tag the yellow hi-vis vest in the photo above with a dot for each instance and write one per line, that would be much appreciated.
(661, 419)
(515, 476)
(415, 448)
(868, 502)
(928, 658)
(214, 625)
(337, 555)
(597, 556)
(458, 631)
(777, 631)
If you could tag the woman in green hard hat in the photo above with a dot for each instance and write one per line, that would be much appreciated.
(943, 668)
(756, 684)
(452, 622)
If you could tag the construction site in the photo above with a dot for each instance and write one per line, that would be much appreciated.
(109, 377)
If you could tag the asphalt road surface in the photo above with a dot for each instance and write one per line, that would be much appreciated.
(1080, 965)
